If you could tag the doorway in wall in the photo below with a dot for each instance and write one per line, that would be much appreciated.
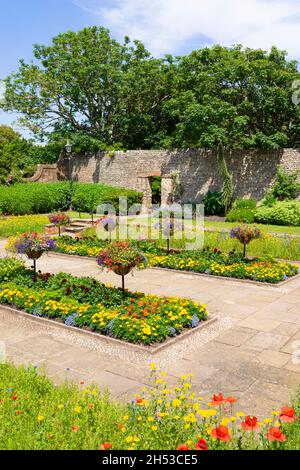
(156, 189)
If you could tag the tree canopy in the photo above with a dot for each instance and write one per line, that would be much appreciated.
(104, 94)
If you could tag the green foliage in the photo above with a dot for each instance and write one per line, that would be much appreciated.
(156, 190)
(242, 203)
(281, 213)
(114, 91)
(213, 204)
(19, 157)
(286, 185)
(227, 190)
(269, 199)
(9, 268)
(241, 215)
(38, 415)
(42, 198)
(111, 95)
(87, 197)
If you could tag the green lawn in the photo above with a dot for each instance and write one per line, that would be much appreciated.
(221, 226)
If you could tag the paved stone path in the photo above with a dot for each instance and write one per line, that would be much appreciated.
(251, 358)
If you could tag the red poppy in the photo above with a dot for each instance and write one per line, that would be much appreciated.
(75, 428)
(139, 401)
(250, 424)
(81, 382)
(275, 434)
(202, 445)
(231, 400)
(288, 414)
(18, 412)
(222, 433)
(14, 397)
(90, 406)
(183, 447)
(218, 399)
(106, 446)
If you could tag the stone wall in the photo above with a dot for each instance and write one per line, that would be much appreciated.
(46, 173)
(253, 171)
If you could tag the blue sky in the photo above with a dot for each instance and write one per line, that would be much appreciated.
(165, 26)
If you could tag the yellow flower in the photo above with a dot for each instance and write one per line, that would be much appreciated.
(150, 419)
(77, 409)
(268, 420)
(153, 366)
(60, 407)
(176, 403)
(225, 421)
(40, 418)
(154, 428)
(126, 418)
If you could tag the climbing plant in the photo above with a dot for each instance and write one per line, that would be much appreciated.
(227, 190)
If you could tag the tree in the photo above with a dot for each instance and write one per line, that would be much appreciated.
(242, 97)
(88, 83)
(111, 95)
(8, 134)
(19, 157)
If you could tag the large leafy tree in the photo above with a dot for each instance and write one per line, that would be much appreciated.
(106, 94)
(88, 83)
(242, 97)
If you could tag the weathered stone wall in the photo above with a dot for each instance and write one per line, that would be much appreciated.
(253, 171)
(46, 173)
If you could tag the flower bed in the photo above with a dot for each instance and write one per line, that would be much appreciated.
(256, 270)
(86, 303)
(211, 262)
(81, 417)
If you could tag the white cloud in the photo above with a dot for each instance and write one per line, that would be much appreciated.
(167, 25)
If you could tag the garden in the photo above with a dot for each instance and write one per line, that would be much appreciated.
(36, 415)
(210, 261)
(89, 304)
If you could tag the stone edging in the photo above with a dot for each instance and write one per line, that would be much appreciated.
(207, 276)
(79, 334)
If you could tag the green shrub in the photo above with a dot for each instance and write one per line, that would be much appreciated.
(241, 215)
(269, 199)
(9, 268)
(39, 198)
(87, 197)
(282, 213)
(286, 185)
(213, 203)
(242, 203)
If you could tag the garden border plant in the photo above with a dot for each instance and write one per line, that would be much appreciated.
(207, 262)
(166, 417)
(87, 303)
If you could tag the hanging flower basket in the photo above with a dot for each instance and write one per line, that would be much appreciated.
(121, 258)
(122, 270)
(34, 254)
(33, 245)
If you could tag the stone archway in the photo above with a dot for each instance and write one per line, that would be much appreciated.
(145, 188)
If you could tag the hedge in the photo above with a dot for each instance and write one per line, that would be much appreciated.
(282, 213)
(42, 198)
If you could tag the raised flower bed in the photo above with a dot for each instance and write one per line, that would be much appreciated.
(208, 261)
(86, 303)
